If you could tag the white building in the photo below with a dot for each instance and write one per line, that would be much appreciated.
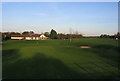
(29, 37)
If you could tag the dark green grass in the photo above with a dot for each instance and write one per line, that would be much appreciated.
(60, 59)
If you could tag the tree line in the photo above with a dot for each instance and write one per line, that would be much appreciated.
(117, 35)
(54, 35)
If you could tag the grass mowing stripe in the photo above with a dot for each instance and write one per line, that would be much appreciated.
(82, 68)
(67, 57)
(104, 68)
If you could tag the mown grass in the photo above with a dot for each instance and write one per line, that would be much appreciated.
(60, 59)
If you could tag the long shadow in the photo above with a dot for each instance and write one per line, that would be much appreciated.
(39, 67)
(107, 51)
(9, 55)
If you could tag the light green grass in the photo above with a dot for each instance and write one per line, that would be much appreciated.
(60, 59)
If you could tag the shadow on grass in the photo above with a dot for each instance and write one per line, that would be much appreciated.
(9, 56)
(39, 67)
(108, 52)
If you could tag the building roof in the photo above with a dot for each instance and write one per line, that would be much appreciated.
(26, 35)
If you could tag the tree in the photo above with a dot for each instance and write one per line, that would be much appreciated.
(47, 34)
(14, 33)
(104, 36)
(28, 33)
(62, 36)
(53, 34)
(6, 36)
(118, 35)
(25, 33)
(31, 32)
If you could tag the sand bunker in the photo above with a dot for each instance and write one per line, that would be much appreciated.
(85, 47)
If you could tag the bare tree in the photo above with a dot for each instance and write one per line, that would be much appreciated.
(70, 31)
(76, 32)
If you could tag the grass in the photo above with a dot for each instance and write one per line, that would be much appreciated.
(60, 59)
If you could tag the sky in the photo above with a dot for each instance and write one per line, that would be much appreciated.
(60, 0)
(87, 18)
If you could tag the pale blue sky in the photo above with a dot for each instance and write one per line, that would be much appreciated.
(88, 18)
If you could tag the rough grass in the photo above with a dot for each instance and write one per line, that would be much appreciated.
(60, 59)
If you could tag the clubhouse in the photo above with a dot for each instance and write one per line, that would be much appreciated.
(29, 37)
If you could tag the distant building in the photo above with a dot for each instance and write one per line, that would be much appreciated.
(29, 37)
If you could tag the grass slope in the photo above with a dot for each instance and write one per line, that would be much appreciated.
(60, 59)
